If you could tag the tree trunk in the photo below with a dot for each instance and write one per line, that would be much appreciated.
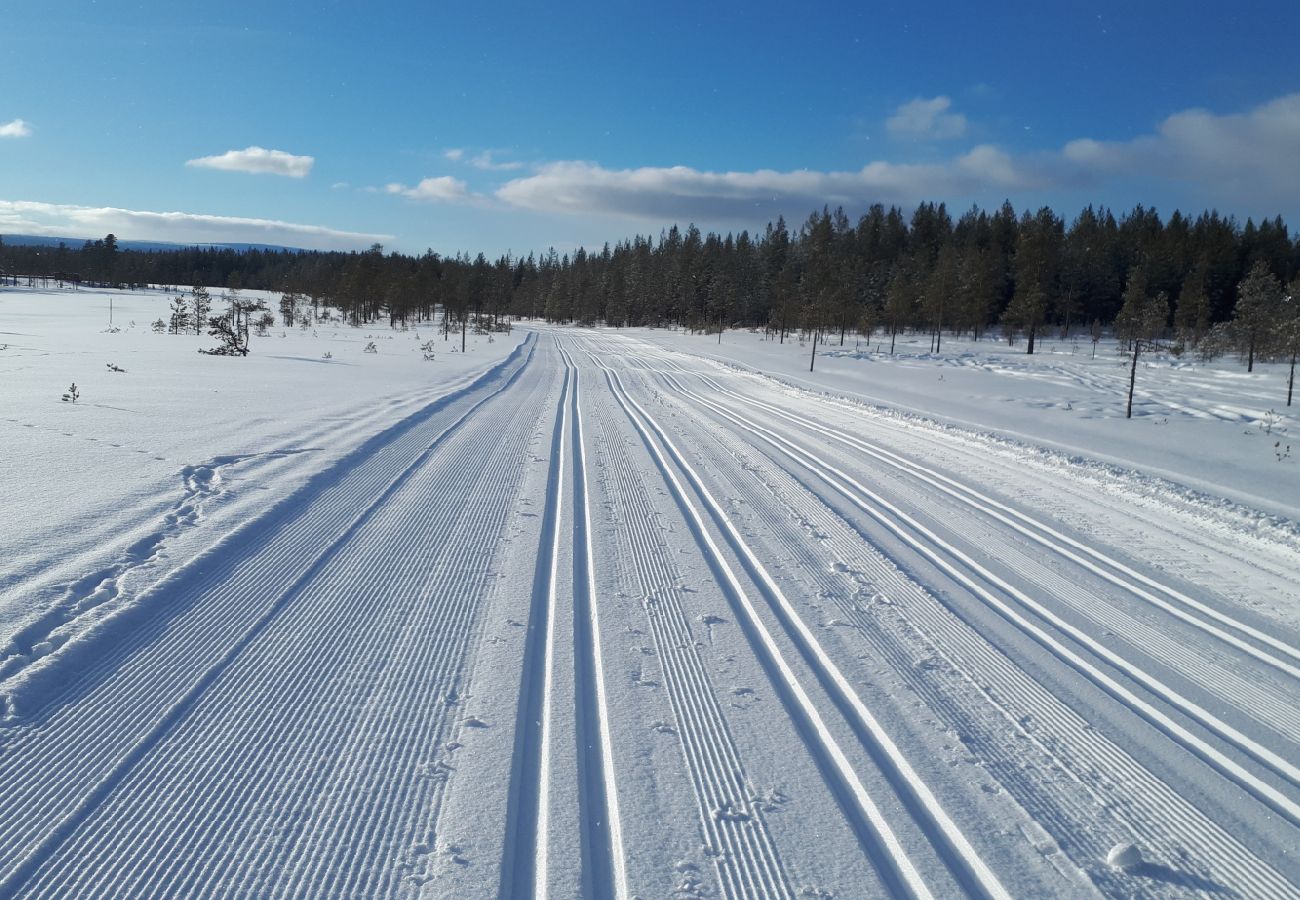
(1250, 354)
(1132, 379)
(1290, 382)
(1033, 330)
(892, 333)
(813, 361)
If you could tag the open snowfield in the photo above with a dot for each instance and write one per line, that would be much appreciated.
(600, 613)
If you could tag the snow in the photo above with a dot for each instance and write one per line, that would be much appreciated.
(585, 612)
(1209, 426)
(180, 435)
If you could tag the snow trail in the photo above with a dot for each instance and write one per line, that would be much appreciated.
(972, 873)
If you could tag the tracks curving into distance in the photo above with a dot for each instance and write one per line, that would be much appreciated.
(283, 715)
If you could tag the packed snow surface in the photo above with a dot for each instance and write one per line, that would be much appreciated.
(586, 612)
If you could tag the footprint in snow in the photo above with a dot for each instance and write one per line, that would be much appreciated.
(728, 813)
(474, 722)
(709, 620)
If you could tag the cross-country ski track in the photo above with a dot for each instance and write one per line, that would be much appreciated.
(613, 620)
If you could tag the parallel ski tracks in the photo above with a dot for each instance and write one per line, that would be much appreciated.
(1268, 703)
(1105, 786)
(62, 770)
(527, 868)
(877, 836)
(978, 579)
(745, 858)
(1280, 655)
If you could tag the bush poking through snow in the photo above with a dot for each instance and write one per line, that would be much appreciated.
(71, 394)
(115, 368)
(234, 340)
(370, 347)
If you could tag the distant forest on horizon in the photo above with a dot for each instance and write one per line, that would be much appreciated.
(1027, 273)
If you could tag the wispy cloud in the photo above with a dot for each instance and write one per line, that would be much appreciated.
(58, 219)
(927, 120)
(443, 189)
(18, 128)
(486, 162)
(258, 161)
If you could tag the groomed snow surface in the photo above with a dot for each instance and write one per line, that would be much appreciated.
(634, 614)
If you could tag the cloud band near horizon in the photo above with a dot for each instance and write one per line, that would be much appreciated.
(69, 220)
(1245, 158)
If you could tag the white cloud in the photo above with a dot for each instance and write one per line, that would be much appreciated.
(1244, 161)
(58, 219)
(454, 154)
(443, 189)
(683, 193)
(922, 119)
(258, 161)
(1242, 157)
(15, 129)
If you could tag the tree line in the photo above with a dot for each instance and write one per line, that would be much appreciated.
(1027, 273)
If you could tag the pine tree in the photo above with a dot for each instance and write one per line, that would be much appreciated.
(1256, 312)
(1192, 314)
(180, 315)
(202, 306)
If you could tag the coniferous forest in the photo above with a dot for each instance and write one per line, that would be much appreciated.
(1027, 274)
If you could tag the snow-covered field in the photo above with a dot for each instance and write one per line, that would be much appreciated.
(600, 613)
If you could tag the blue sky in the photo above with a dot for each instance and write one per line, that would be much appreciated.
(518, 126)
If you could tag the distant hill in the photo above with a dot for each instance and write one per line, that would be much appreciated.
(40, 240)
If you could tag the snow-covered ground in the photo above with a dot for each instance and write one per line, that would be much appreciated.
(600, 613)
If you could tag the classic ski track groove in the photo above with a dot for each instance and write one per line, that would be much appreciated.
(747, 864)
(964, 863)
(929, 545)
(524, 868)
(603, 830)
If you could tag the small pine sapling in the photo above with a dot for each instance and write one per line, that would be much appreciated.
(71, 394)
